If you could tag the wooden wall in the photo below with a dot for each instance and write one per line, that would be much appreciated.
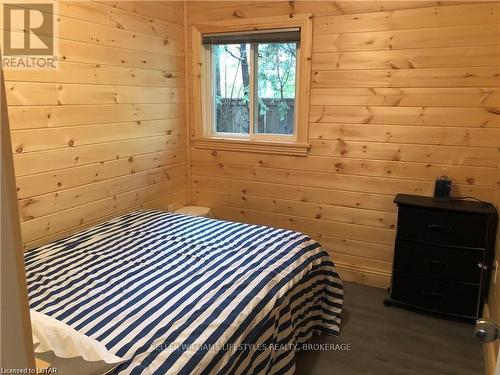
(400, 90)
(397, 95)
(106, 133)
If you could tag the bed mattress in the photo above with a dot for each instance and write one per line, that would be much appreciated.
(176, 294)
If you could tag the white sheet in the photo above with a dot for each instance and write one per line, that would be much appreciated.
(68, 350)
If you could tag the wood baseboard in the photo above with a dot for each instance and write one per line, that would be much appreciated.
(363, 276)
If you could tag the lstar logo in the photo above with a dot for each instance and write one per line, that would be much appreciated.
(29, 35)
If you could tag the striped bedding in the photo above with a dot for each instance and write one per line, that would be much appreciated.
(176, 294)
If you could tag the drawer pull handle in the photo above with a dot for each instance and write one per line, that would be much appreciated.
(436, 262)
(432, 294)
(440, 227)
(482, 266)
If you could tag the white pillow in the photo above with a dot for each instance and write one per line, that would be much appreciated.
(70, 351)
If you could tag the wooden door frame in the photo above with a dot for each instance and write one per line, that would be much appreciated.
(16, 338)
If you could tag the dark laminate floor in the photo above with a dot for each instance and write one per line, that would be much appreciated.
(393, 341)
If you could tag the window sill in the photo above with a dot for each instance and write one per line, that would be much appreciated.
(262, 147)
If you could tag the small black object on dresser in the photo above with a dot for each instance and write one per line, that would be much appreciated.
(443, 255)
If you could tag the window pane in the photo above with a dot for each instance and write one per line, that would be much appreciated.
(231, 84)
(276, 68)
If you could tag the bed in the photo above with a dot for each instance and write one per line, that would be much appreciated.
(176, 294)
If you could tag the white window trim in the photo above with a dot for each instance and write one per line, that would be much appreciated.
(203, 117)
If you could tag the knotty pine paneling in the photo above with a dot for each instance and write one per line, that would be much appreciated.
(399, 91)
(106, 133)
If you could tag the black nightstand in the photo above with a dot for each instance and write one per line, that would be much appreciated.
(443, 255)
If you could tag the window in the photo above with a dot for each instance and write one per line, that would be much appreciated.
(253, 84)
(253, 87)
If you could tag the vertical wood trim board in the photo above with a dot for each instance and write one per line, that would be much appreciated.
(17, 343)
(106, 133)
(399, 91)
(491, 350)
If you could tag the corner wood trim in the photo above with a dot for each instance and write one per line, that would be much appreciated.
(280, 148)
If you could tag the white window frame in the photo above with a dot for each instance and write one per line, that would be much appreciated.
(252, 135)
(205, 136)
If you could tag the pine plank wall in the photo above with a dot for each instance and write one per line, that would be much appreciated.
(107, 132)
(397, 95)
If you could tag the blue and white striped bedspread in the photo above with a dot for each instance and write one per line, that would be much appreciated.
(176, 294)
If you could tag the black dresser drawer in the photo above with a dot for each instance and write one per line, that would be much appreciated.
(443, 255)
(442, 228)
(435, 295)
(444, 263)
